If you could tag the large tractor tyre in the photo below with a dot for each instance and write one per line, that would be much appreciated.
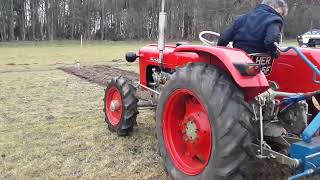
(120, 106)
(203, 125)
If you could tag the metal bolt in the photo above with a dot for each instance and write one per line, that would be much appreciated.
(200, 158)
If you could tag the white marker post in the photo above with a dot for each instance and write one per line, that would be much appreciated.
(81, 41)
(78, 65)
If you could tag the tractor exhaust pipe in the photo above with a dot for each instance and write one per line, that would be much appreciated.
(162, 29)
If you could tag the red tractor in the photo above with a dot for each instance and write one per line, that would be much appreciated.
(216, 106)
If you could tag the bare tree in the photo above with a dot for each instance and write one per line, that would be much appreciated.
(134, 19)
(11, 21)
(102, 19)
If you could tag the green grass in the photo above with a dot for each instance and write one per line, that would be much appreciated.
(52, 124)
(290, 42)
(23, 56)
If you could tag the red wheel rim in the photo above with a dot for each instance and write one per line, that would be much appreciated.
(114, 106)
(187, 132)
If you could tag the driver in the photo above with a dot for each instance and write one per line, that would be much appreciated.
(256, 31)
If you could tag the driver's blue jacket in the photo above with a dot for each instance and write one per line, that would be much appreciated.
(255, 32)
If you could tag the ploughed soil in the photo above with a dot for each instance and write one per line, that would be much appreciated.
(101, 74)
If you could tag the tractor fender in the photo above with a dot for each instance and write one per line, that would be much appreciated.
(225, 58)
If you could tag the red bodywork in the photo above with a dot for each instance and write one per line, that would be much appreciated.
(293, 74)
(289, 71)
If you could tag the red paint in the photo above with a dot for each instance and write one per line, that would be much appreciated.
(113, 94)
(189, 155)
(293, 74)
(219, 56)
(289, 71)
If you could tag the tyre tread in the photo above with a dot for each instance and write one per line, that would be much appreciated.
(130, 106)
(226, 95)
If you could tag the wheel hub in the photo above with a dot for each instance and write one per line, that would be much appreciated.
(191, 131)
(114, 105)
(187, 132)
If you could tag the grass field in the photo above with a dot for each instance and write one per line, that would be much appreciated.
(43, 55)
(51, 123)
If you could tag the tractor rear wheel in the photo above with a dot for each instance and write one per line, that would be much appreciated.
(202, 125)
(120, 106)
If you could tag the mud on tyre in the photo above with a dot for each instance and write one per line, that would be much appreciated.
(202, 125)
(120, 106)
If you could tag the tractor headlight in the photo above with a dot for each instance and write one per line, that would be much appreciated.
(131, 56)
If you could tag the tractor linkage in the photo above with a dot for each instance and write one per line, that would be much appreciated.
(304, 154)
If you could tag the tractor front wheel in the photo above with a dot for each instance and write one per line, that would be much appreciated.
(202, 125)
(120, 106)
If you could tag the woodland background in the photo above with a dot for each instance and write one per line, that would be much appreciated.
(38, 20)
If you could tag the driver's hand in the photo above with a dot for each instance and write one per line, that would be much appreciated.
(230, 45)
(275, 54)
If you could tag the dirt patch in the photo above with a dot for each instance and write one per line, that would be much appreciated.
(100, 74)
(266, 169)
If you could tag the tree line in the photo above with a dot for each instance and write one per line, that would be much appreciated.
(134, 19)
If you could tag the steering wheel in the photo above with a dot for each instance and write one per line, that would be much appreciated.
(206, 41)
